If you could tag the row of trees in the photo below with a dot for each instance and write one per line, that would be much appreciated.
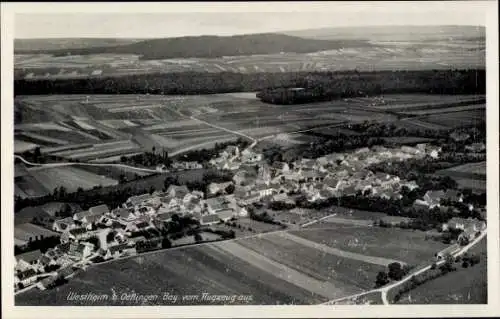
(148, 159)
(42, 244)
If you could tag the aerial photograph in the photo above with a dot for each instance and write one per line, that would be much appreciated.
(260, 158)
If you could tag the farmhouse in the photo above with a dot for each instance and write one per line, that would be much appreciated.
(217, 204)
(210, 219)
(81, 250)
(99, 210)
(471, 225)
(136, 200)
(177, 191)
(28, 260)
(433, 198)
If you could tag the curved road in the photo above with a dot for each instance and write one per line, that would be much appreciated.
(384, 290)
(85, 164)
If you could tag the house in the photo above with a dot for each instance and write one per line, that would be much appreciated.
(28, 260)
(349, 191)
(81, 250)
(45, 260)
(363, 186)
(411, 185)
(217, 204)
(230, 166)
(161, 168)
(470, 225)
(186, 165)
(226, 214)
(136, 200)
(210, 219)
(453, 195)
(177, 191)
(318, 194)
(99, 210)
(250, 199)
(27, 277)
(459, 136)
(280, 167)
(390, 194)
(240, 177)
(250, 157)
(332, 183)
(433, 198)
(476, 147)
(74, 234)
(231, 151)
(449, 251)
(263, 190)
(215, 188)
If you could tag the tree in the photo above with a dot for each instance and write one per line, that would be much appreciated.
(122, 179)
(229, 189)
(197, 237)
(110, 237)
(463, 240)
(382, 279)
(166, 243)
(395, 271)
(95, 241)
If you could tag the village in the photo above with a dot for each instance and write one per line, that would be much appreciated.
(141, 224)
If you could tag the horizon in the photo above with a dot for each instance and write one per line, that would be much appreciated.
(243, 34)
(182, 24)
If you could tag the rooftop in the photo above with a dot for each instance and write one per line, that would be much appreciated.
(30, 256)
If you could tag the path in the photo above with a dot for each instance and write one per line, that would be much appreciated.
(384, 290)
(60, 164)
(341, 253)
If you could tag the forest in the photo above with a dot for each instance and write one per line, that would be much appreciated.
(272, 87)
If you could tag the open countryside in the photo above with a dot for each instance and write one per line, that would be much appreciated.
(302, 168)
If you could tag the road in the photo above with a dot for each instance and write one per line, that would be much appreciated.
(384, 290)
(60, 164)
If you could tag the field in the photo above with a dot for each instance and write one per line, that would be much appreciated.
(407, 246)
(187, 271)
(102, 128)
(42, 181)
(464, 286)
(381, 56)
(274, 268)
(470, 176)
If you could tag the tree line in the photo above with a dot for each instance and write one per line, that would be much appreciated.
(319, 85)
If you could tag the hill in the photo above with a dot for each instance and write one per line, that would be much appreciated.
(395, 33)
(36, 45)
(212, 46)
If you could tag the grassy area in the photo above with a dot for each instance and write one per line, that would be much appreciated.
(187, 271)
(406, 245)
(464, 286)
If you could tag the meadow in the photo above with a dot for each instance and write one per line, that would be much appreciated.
(405, 245)
(464, 286)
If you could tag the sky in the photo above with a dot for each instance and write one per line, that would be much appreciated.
(174, 24)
